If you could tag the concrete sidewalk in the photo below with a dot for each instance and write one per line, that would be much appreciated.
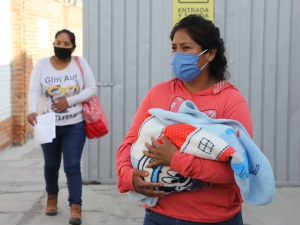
(23, 198)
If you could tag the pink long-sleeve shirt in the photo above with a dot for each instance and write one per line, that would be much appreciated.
(223, 200)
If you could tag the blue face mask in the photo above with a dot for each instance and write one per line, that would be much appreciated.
(184, 66)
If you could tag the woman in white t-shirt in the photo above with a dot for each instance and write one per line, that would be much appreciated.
(56, 85)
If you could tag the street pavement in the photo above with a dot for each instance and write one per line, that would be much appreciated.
(23, 198)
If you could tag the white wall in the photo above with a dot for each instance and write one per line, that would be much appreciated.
(5, 56)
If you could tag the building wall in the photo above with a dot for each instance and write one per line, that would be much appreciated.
(262, 51)
(33, 27)
(5, 55)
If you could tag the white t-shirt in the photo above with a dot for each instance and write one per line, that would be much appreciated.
(47, 84)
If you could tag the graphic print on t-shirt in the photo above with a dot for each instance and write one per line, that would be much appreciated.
(212, 113)
(177, 101)
(59, 87)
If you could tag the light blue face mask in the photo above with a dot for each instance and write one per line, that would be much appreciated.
(184, 66)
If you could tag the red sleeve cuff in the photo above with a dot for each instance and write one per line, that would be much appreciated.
(125, 183)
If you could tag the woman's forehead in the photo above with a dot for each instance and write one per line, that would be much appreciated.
(63, 37)
(181, 36)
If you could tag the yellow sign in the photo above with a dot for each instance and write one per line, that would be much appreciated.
(183, 8)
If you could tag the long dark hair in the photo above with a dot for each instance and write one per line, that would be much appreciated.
(207, 35)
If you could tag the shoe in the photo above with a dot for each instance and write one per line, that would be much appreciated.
(75, 214)
(51, 208)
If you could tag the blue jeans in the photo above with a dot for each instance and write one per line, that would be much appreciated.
(153, 218)
(69, 142)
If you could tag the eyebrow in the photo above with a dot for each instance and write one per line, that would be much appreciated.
(63, 41)
(183, 43)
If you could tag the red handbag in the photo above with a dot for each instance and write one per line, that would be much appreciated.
(96, 124)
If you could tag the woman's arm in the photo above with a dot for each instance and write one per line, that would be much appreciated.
(212, 171)
(241, 113)
(189, 165)
(89, 85)
(124, 167)
(128, 177)
(35, 88)
(123, 161)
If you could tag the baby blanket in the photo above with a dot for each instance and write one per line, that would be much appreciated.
(216, 139)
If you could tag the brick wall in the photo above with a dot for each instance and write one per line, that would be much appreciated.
(26, 51)
(5, 133)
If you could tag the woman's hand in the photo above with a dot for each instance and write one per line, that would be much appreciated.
(60, 104)
(161, 153)
(31, 118)
(145, 188)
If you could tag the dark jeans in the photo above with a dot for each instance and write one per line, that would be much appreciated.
(69, 142)
(153, 218)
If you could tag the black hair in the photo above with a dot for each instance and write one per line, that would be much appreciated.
(207, 35)
(70, 34)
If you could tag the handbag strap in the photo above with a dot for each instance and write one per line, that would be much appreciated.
(80, 68)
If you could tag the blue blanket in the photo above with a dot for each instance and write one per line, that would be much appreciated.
(215, 139)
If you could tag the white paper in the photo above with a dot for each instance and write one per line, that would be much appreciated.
(44, 130)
